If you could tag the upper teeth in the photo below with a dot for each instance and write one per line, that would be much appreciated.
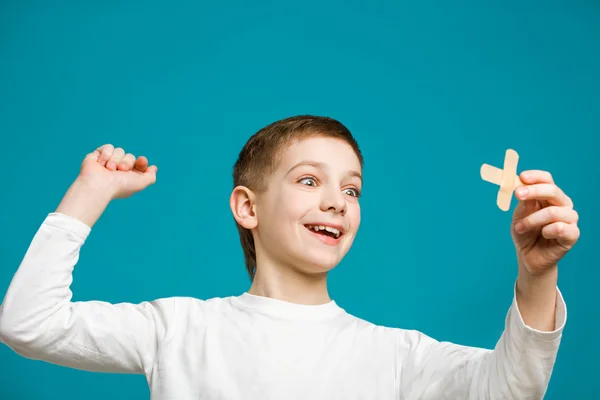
(317, 228)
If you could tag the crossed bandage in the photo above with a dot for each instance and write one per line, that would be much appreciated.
(506, 178)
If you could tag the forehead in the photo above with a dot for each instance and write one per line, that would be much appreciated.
(335, 153)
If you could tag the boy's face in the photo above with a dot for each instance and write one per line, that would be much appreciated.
(316, 184)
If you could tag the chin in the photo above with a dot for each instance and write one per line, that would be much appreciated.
(319, 264)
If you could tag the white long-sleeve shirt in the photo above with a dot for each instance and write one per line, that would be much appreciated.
(252, 347)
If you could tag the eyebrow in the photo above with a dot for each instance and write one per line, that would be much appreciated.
(322, 166)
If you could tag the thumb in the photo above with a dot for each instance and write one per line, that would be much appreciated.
(149, 176)
(141, 180)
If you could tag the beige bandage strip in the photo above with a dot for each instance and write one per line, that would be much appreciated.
(507, 179)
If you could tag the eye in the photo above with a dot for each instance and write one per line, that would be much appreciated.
(352, 192)
(308, 181)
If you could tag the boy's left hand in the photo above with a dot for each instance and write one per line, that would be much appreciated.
(544, 226)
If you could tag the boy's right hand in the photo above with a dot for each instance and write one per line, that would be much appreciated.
(106, 174)
(118, 173)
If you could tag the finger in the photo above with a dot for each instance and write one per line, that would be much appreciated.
(565, 234)
(93, 155)
(544, 191)
(126, 162)
(115, 158)
(147, 178)
(525, 208)
(141, 164)
(547, 216)
(150, 174)
(536, 176)
(105, 153)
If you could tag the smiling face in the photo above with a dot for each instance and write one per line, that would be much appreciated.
(309, 215)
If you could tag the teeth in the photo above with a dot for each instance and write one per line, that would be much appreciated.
(317, 228)
(333, 230)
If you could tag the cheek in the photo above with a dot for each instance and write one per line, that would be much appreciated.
(354, 215)
(296, 205)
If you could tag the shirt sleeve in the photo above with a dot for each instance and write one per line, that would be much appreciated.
(39, 321)
(519, 366)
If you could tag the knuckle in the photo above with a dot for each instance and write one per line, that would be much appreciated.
(570, 201)
(558, 192)
(107, 151)
(575, 216)
(552, 212)
(127, 159)
(560, 227)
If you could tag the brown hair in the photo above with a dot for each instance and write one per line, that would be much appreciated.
(261, 154)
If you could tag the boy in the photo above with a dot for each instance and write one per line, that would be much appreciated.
(296, 204)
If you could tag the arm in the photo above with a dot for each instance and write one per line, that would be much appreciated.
(544, 228)
(38, 320)
(537, 299)
(519, 367)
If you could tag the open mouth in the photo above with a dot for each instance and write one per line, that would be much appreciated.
(324, 230)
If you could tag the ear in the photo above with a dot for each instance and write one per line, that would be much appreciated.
(242, 207)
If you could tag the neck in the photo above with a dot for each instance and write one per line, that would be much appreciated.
(289, 284)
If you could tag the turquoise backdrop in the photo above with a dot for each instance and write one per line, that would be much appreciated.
(430, 90)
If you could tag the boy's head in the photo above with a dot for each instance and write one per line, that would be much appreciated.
(292, 177)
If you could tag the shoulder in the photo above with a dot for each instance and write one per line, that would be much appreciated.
(185, 305)
(405, 340)
(187, 310)
(366, 329)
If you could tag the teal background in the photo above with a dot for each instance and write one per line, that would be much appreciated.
(430, 90)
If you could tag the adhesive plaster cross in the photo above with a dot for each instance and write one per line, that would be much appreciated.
(507, 179)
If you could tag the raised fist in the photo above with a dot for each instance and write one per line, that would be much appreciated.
(118, 173)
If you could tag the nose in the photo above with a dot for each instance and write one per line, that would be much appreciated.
(333, 200)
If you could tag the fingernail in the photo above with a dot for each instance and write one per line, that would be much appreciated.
(522, 192)
(519, 227)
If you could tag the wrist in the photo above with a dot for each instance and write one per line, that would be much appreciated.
(86, 200)
(536, 298)
(537, 286)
